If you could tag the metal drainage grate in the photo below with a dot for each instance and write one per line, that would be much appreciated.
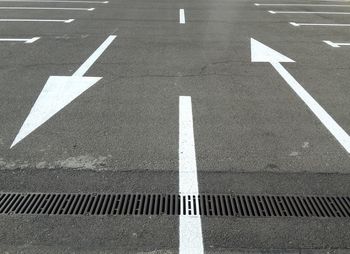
(174, 204)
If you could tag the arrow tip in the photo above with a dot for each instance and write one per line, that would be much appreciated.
(262, 53)
(57, 93)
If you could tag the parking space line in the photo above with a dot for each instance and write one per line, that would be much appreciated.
(316, 24)
(46, 8)
(336, 44)
(57, 1)
(190, 228)
(263, 53)
(20, 40)
(58, 92)
(182, 19)
(38, 20)
(305, 5)
(310, 12)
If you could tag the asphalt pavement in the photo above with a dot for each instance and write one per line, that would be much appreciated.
(181, 107)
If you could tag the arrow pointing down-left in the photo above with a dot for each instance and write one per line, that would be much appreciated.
(58, 92)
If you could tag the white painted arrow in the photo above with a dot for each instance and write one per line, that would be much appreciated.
(58, 92)
(263, 53)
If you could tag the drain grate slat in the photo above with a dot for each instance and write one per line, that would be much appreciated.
(113, 204)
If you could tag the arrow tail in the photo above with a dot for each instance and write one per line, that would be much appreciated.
(92, 59)
(332, 126)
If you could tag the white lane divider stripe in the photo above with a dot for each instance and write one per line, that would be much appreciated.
(38, 20)
(20, 40)
(182, 19)
(190, 231)
(337, 44)
(310, 12)
(46, 8)
(317, 24)
(187, 153)
(57, 1)
(305, 5)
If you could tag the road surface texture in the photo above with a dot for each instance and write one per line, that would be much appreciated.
(181, 108)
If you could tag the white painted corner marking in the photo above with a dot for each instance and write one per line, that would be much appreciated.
(337, 44)
(34, 39)
(294, 24)
(46, 8)
(305, 5)
(332, 126)
(190, 227)
(31, 40)
(318, 24)
(332, 44)
(310, 12)
(57, 1)
(38, 20)
(58, 92)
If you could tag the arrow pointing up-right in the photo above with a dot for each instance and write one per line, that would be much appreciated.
(262, 53)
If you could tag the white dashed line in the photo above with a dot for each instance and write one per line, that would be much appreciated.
(38, 20)
(317, 24)
(182, 19)
(190, 231)
(19, 40)
(46, 8)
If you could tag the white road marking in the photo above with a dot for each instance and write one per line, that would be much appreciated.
(58, 92)
(310, 12)
(91, 60)
(57, 1)
(182, 19)
(263, 53)
(305, 5)
(317, 24)
(337, 44)
(38, 20)
(190, 231)
(46, 8)
(20, 40)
